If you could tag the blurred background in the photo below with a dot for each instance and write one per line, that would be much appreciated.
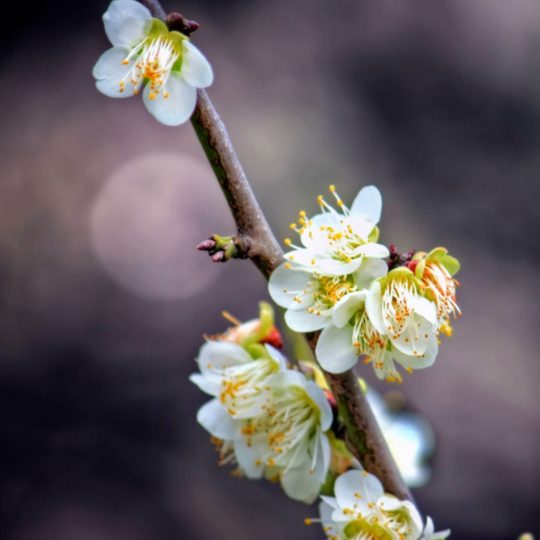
(104, 299)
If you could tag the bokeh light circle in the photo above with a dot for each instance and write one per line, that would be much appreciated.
(147, 219)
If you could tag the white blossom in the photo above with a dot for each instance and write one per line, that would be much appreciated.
(289, 440)
(145, 53)
(361, 510)
(271, 421)
(410, 439)
(336, 242)
(236, 378)
(310, 298)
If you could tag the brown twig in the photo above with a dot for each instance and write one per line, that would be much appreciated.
(256, 241)
(254, 235)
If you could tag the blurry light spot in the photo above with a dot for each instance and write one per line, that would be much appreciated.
(147, 220)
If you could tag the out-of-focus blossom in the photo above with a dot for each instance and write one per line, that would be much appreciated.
(409, 436)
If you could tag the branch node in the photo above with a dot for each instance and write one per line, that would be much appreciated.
(224, 248)
(176, 21)
(397, 259)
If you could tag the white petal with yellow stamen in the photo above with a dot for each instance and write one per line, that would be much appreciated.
(336, 241)
(146, 54)
(289, 437)
(229, 373)
(361, 510)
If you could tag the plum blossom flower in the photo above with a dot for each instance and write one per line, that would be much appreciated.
(289, 440)
(405, 320)
(361, 510)
(145, 53)
(336, 242)
(435, 270)
(409, 436)
(310, 298)
(353, 333)
(285, 441)
(268, 420)
(338, 256)
(235, 377)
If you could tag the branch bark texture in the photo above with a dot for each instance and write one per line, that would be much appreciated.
(256, 239)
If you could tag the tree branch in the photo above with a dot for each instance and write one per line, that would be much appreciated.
(364, 436)
(259, 243)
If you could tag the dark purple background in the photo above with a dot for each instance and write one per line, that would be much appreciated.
(104, 300)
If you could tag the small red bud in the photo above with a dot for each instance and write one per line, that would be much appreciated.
(206, 245)
(273, 338)
(411, 265)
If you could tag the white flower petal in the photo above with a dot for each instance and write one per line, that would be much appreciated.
(422, 361)
(413, 520)
(415, 338)
(368, 204)
(214, 418)
(322, 463)
(334, 267)
(374, 250)
(110, 70)
(289, 377)
(335, 351)
(300, 484)
(370, 270)
(196, 69)
(353, 483)
(206, 384)
(430, 534)
(316, 238)
(279, 359)
(303, 321)
(125, 22)
(423, 307)
(312, 260)
(217, 355)
(347, 307)
(331, 503)
(319, 397)
(325, 514)
(249, 459)
(286, 284)
(374, 308)
(175, 109)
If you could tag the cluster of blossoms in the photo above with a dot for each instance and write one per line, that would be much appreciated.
(268, 419)
(361, 510)
(342, 282)
(145, 53)
(275, 422)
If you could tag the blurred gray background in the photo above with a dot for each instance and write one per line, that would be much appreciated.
(104, 299)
